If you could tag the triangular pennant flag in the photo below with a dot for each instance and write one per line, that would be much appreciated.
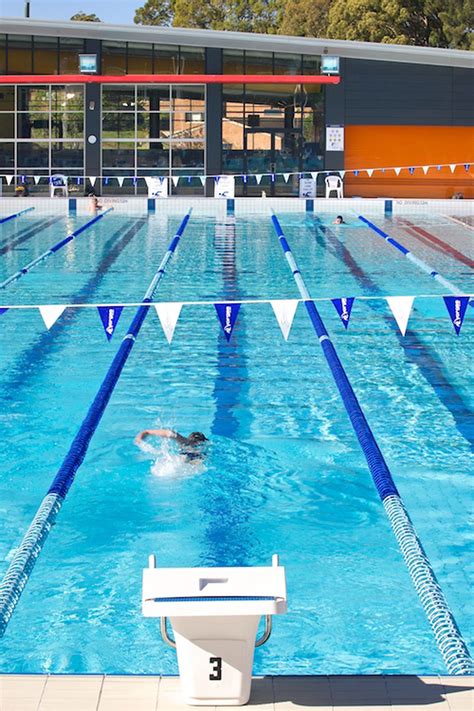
(456, 306)
(314, 175)
(466, 167)
(120, 180)
(168, 313)
(175, 180)
(356, 172)
(425, 168)
(109, 315)
(92, 179)
(2, 311)
(342, 173)
(37, 178)
(202, 178)
(411, 170)
(284, 310)
(9, 179)
(227, 314)
(369, 172)
(397, 171)
(453, 167)
(50, 314)
(400, 307)
(344, 307)
(258, 178)
(286, 177)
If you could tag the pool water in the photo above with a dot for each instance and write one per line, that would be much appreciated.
(284, 472)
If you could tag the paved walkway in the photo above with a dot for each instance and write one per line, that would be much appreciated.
(310, 693)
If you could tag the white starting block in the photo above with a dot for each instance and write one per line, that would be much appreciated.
(214, 614)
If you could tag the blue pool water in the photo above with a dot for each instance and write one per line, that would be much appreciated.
(284, 473)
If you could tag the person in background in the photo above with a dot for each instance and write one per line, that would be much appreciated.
(339, 220)
(458, 196)
(22, 190)
(191, 447)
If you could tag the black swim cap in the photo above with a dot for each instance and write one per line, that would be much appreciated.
(197, 437)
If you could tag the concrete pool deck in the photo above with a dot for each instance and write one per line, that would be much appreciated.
(280, 693)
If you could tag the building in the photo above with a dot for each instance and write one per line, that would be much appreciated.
(399, 106)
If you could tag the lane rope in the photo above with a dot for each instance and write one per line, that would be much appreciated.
(17, 214)
(25, 556)
(447, 635)
(424, 266)
(52, 250)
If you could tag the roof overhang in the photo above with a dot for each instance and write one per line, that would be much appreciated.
(242, 40)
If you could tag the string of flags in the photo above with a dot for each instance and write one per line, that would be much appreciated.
(227, 312)
(175, 179)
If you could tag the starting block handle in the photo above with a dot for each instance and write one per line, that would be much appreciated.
(258, 642)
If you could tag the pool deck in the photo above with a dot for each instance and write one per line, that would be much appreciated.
(311, 693)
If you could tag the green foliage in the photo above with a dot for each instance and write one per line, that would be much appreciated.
(305, 18)
(154, 12)
(429, 23)
(85, 17)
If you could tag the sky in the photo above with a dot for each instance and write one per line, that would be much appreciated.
(118, 12)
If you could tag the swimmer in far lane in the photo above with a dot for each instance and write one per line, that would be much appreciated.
(190, 447)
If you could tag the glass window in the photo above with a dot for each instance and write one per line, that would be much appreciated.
(7, 153)
(20, 55)
(118, 155)
(233, 61)
(114, 55)
(140, 58)
(165, 59)
(188, 109)
(67, 125)
(233, 121)
(189, 124)
(187, 154)
(152, 154)
(7, 98)
(33, 98)
(118, 98)
(311, 64)
(67, 98)
(33, 155)
(69, 51)
(3, 54)
(45, 55)
(153, 98)
(67, 155)
(313, 127)
(33, 125)
(153, 125)
(191, 60)
(118, 125)
(258, 63)
(7, 125)
(287, 63)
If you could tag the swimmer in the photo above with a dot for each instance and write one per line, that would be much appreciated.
(339, 220)
(95, 203)
(190, 447)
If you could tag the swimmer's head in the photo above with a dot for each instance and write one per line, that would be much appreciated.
(197, 438)
(339, 219)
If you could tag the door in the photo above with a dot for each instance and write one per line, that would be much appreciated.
(271, 150)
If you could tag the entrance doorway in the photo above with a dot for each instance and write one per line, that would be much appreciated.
(271, 150)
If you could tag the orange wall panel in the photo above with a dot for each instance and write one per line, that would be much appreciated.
(386, 146)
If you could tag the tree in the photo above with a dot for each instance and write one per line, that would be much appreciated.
(85, 17)
(305, 18)
(426, 23)
(154, 12)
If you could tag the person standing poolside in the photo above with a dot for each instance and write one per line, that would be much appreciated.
(191, 447)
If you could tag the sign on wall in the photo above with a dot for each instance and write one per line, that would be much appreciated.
(329, 65)
(334, 138)
(88, 63)
(307, 188)
(224, 186)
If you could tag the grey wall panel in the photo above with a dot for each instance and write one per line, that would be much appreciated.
(387, 93)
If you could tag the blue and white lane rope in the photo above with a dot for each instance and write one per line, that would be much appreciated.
(55, 248)
(24, 559)
(17, 214)
(413, 258)
(447, 635)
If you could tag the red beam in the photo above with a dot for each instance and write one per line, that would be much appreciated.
(168, 79)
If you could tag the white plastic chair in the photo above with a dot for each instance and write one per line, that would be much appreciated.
(58, 182)
(334, 184)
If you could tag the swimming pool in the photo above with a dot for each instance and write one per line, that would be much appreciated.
(284, 472)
